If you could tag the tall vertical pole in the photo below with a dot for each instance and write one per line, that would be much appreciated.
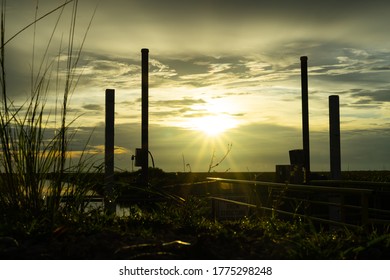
(334, 137)
(336, 213)
(109, 150)
(145, 116)
(305, 117)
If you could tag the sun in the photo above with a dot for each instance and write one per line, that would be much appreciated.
(213, 117)
(213, 125)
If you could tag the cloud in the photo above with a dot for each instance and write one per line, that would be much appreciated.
(255, 146)
(365, 149)
(379, 95)
(108, 71)
(217, 27)
(184, 102)
(240, 55)
(93, 107)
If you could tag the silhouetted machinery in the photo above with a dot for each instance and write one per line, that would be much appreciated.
(294, 172)
(138, 157)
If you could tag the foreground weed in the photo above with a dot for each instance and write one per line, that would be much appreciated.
(34, 164)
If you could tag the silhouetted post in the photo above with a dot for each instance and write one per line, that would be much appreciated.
(109, 151)
(336, 213)
(145, 116)
(305, 117)
(334, 137)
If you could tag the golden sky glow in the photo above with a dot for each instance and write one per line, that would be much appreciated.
(221, 72)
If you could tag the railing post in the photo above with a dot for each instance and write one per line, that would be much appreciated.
(365, 204)
(213, 209)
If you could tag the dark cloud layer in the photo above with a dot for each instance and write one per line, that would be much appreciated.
(380, 95)
(231, 9)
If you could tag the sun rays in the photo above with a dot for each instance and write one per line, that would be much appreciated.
(215, 118)
(213, 125)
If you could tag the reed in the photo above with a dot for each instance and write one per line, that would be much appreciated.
(34, 163)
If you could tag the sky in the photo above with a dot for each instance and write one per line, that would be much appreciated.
(224, 75)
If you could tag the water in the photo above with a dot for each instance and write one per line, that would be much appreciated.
(93, 202)
(120, 210)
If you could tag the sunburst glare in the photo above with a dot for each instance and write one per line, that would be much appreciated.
(213, 125)
(216, 119)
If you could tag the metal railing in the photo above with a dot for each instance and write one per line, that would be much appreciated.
(354, 206)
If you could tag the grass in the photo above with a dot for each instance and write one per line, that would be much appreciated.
(33, 163)
(172, 231)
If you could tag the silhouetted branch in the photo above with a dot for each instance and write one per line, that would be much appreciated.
(212, 165)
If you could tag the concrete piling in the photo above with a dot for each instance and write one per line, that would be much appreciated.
(145, 117)
(109, 150)
(334, 137)
(305, 117)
